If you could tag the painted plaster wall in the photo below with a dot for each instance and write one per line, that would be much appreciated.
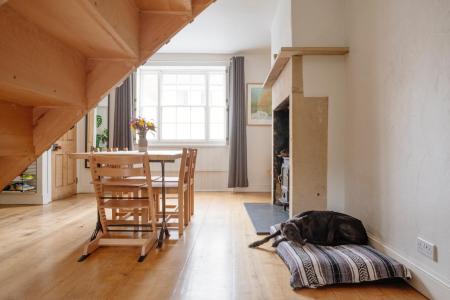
(398, 125)
(281, 32)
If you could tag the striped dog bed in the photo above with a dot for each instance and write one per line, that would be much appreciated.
(314, 266)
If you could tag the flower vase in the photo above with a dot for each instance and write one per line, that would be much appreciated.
(142, 143)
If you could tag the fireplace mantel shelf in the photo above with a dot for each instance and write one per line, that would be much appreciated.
(287, 52)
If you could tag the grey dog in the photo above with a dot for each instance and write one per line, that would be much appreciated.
(326, 228)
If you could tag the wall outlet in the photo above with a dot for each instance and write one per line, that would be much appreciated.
(426, 248)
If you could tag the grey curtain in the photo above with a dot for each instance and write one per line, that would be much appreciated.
(237, 171)
(123, 114)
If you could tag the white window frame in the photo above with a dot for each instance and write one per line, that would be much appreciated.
(180, 69)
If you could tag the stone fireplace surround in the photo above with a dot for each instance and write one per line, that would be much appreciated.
(306, 129)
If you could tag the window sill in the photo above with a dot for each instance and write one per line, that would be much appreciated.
(161, 145)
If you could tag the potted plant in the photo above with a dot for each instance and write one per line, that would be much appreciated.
(142, 126)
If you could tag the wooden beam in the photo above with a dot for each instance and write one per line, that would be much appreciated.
(35, 68)
(52, 125)
(286, 53)
(98, 28)
(200, 5)
(167, 6)
(156, 30)
(15, 130)
(103, 76)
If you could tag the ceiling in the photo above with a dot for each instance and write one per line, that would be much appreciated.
(227, 26)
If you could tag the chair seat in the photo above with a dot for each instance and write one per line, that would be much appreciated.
(126, 204)
(166, 179)
(154, 178)
(168, 184)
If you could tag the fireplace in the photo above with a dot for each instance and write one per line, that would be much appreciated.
(281, 154)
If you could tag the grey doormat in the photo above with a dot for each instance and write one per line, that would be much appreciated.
(264, 215)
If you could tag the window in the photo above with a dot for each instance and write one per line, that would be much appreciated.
(188, 104)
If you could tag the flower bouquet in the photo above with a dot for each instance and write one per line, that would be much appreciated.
(142, 126)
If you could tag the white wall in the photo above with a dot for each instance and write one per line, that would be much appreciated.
(318, 23)
(325, 76)
(398, 143)
(281, 31)
(212, 166)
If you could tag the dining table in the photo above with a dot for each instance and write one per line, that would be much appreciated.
(155, 156)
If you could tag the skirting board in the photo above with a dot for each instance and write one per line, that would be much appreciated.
(422, 280)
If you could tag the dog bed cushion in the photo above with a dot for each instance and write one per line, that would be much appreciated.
(314, 265)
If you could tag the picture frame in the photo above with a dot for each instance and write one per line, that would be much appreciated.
(259, 105)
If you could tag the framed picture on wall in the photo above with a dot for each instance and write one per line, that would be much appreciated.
(259, 104)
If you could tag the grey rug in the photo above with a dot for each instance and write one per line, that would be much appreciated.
(264, 215)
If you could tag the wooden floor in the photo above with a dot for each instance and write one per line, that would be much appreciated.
(40, 246)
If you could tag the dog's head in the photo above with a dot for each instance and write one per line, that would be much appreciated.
(291, 232)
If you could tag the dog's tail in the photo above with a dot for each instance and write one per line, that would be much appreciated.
(264, 240)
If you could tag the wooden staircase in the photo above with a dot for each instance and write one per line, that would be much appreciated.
(58, 58)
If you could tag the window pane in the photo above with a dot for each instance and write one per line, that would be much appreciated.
(217, 79)
(149, 89)
(183, 115)
(198, 131)
(169, 79)
(197, 95)
(169, 131)
(184, 79)
(216, 131)
(169, 115)
(217, 115)
(183, 131)
(198, 79)
(169, 95)
(217, 96)
(198, 115)
(182, 95)
(149, 113)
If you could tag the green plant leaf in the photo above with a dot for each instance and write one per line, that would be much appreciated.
(99, 121)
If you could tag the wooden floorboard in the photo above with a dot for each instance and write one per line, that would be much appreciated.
(40, 246)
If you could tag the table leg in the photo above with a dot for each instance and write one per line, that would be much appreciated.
(164, 229)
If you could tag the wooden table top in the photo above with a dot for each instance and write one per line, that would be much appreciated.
(156, 155)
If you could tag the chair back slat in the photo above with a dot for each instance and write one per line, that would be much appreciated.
(117, 159)
(128, 171)
(193, 155)
(120, 171)
(182, 175)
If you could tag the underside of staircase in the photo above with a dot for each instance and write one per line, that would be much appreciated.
(58, 58)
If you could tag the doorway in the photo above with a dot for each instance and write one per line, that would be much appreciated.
(64, 170)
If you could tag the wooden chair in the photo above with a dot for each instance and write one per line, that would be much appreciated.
(123, 182)
(191, 164)
(193, 158)
(178, 189)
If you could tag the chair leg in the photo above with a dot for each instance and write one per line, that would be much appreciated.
(153, 216)
(136, 221)
(187, 211)
(191, 198)
(180, 213)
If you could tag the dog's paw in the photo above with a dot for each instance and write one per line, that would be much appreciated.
(253, 245)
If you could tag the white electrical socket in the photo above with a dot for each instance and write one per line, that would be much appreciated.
(426, 248)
